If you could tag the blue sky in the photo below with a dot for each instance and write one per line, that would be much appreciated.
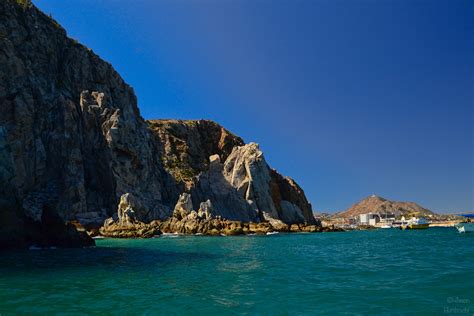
(350, 98)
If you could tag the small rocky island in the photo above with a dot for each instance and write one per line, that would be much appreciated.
(77, 156)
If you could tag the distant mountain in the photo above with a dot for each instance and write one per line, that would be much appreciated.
(377, 204)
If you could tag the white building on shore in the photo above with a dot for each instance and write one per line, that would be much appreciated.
(372, 219)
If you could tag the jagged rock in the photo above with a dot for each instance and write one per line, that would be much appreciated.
(311, 228)
(226, 201)
(128, 207)
(187, 145)
(275, 196)
(188, 221)
(183, 207)
(238, 188)
(247, 171)
(205, 210)
(258, 228)
(126, 224)
(136, 230)
(278, 225)
(294, 228)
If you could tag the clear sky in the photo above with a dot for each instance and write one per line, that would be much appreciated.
(350, 98)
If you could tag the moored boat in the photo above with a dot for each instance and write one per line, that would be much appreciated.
(418, 226)
(415, 223)
(465, 227)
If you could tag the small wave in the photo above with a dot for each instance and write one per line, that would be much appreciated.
(272, 233)
(35, 248)
(98, 237)
(169, 235)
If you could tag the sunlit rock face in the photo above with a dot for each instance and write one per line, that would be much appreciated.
(72, 140)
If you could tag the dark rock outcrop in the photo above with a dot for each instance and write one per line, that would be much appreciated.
(74, 138)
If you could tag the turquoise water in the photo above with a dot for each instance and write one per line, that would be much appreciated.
(354, 273)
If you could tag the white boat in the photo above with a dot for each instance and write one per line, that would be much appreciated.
(465, 227)
(414, 223)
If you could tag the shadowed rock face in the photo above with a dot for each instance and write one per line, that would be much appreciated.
(72, 140)
(71, 131)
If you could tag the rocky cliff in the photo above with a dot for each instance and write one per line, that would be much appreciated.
(377, 204)
(188, 144)
(72, 142)
(211, 163)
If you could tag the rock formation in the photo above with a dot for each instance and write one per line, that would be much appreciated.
(226, 201)
(183, 207)
(72, 141)
(274, 196)
(187, 145)
(185, 220)
(214, 164)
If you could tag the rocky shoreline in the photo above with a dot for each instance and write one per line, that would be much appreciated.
(207, 227)
(185, 220)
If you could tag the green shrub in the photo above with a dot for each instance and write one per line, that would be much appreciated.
(25, 4)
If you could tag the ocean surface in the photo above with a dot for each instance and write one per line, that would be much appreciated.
(389, 272)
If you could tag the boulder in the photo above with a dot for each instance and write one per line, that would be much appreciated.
(136, 230)
(278, 225)
(295, 228)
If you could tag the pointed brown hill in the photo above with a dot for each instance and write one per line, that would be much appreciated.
(377, 204)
